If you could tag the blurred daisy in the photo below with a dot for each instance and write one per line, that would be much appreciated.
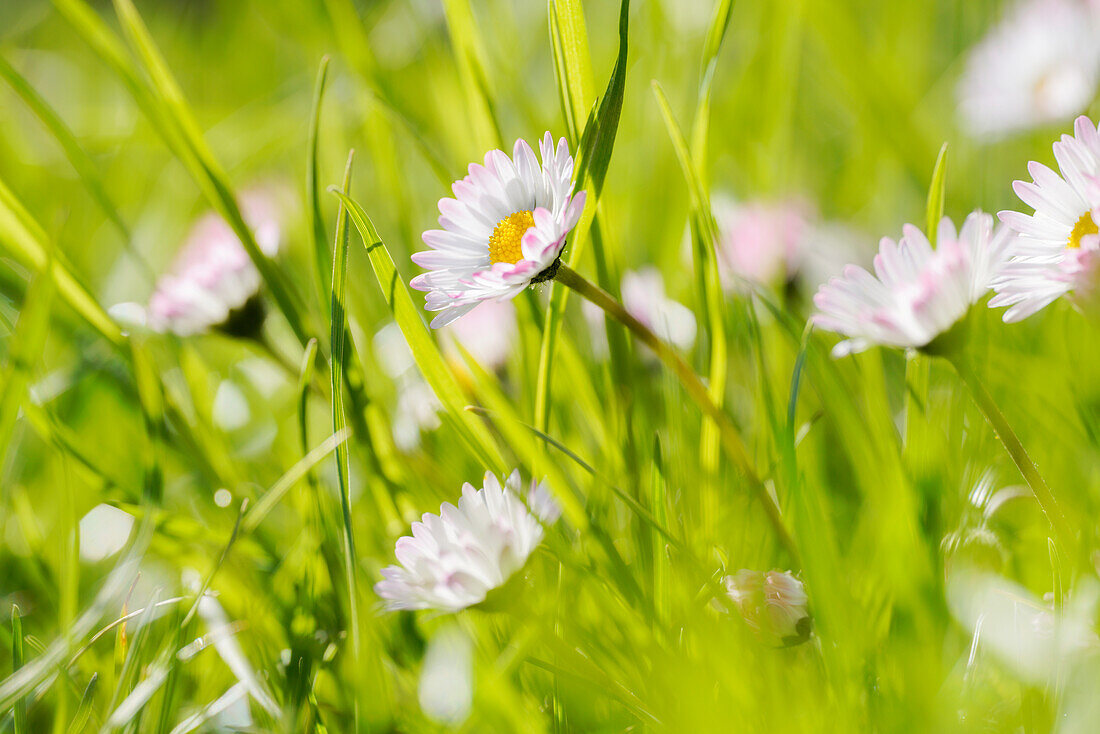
(417, 405)
(504, 229)
(454, 559)
(917, 293)
(773, 603)
(487, 333)
(212, 283)
(1040, 65)
(1058, 247)
(644, 297)
(760, 241)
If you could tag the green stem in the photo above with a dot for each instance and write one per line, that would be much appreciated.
(1016, 450)
(731, 438)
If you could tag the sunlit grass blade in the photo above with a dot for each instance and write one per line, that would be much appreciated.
(25, 240)
(313, 190)
(471, 66)
(593, 157)
(336, 367)
(573, 64)
(425, 352)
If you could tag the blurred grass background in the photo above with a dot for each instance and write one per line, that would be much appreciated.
(844, 103)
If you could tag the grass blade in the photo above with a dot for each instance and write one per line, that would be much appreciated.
(424, 350)
(336, 368)
(19, 710)
(316, 219)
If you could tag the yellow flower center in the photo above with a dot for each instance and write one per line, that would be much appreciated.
(1085, 226)
(504, 243)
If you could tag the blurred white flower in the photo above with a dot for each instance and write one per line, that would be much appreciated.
(644, 297)
(1022, 631)
(487, 333)
(503, 230)
(1058, 248)
(454, 559)
(917, 293)
(773, 603)
(104, 532)
(760, 241)
(417, 406)
(212, 283)
(446, 689)
(1041, 64)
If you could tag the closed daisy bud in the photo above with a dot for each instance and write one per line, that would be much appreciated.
(453, 560)
(213, 284)
(917, 293)
(1058, 248)
(772, 603)
(503, 231)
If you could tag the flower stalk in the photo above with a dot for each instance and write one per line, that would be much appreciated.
(730, 437)
(1015, 448)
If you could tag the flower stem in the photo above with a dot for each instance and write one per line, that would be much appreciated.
(1011, 442)
(731, 438)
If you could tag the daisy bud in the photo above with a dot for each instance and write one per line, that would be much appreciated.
(773, 603)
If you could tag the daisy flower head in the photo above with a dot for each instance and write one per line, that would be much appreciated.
(773, 603)
(916, 293)
(213, 284)
(1040, 65)
(760, 241)
(1058, 248)
(503, 230)
(417, 408)
(453, 560)
(487, 334)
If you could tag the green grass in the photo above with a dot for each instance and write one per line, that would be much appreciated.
(122, 122)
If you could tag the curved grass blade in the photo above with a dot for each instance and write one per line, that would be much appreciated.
(339, 423)
(424, 350)
(316, 220)
(25, 240)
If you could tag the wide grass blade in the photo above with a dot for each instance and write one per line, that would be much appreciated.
(425, 352)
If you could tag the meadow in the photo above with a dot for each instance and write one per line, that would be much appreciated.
(718, 481)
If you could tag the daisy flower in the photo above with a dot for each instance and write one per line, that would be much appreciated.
(644, 298)
(212, 284)
(916, 293)
(454, 559)
(1040, 65)
(1058, 246)
(774, 603)
(504, 229)
(760, 241)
